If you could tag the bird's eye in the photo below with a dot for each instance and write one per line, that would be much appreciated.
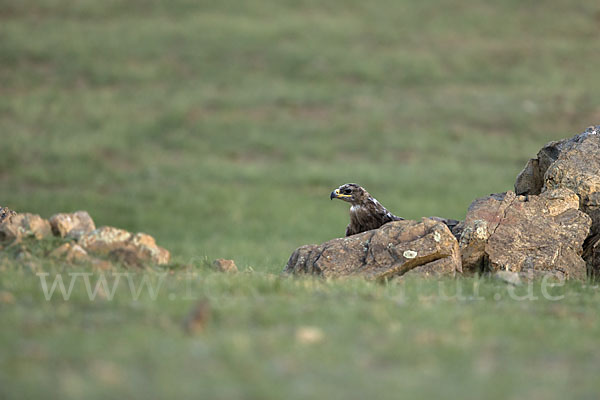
(347, 191)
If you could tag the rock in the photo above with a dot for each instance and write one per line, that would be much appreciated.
(572, 164)
(581, 150)
(104, 240)
(5, 213)
(146, 248)
(483, 217)
(578, 169)
(70, 252)
(309, 335)
(73, 225)
(540, 234)
(223, 265)
(19, 226)
(195, 322)
(425, 247)
(124, 246)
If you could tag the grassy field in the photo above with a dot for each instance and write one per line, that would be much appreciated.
(220, 127)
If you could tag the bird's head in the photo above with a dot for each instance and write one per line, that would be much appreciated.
(350, 192)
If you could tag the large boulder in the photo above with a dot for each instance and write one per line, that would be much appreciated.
(132, 249)
(571, 164)
(23, 225)
(526, 234)
(577, 155)
(72, 225)
(425, 247)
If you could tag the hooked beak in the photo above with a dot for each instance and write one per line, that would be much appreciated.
(337, 195)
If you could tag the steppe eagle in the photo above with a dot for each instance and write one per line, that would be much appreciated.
(367, 213)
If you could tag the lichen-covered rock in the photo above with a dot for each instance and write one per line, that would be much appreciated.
(118, 243)
(572, 164)
(543, 234)
(105, 239)
(24, 225)
(580, 151)
(425, 247)
(6, 213)
(146, 248)
(578, 169)
(72, 225)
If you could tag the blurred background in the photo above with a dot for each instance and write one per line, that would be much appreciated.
(220, 127)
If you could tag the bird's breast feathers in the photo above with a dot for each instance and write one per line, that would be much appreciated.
(362, 218)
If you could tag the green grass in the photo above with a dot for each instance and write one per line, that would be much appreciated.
(220, 127)
(424, 339)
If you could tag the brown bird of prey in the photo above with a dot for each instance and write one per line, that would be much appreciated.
(366, 212)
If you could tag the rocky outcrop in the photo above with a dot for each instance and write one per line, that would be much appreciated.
(572, 164)
(19, 226)
(87, 241)
(72, 225)
(425, 248)
(526, 234)
(549, 225)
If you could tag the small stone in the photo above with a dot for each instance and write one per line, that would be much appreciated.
(198, 317)
(223, 265)
(309, 335)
